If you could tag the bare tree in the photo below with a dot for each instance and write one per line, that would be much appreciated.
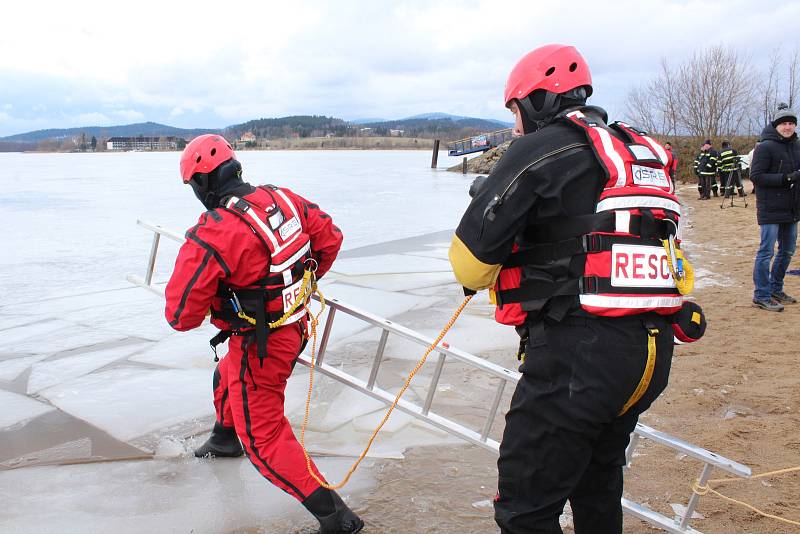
(768, 89)
(641, 109)
(794, 78)
(708, 96)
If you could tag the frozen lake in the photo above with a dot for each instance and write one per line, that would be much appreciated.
(89, 368)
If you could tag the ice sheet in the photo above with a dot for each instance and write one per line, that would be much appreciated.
(183, 350)
(10, 369)
(18, 409)
(174, 495)
(65, 294)
(390, 263)
(52, 372)
(55, 336)
(400, 282)
(131, 402)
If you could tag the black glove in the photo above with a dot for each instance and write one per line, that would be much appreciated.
(476, 185)
(792, 178)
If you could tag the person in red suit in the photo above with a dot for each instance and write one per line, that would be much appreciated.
(672, 165)
(244, 262)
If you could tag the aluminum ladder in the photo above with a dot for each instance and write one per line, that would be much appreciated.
(478, 436)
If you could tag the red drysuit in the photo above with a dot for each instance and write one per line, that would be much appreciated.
(222, 250)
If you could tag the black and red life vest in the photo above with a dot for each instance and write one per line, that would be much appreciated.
(274, 220)
(621, 263)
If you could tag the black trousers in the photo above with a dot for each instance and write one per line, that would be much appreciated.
(564, 439)
(732, 179)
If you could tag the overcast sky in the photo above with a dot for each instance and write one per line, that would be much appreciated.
(211, 64)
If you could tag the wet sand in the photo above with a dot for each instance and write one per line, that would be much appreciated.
(736, 393)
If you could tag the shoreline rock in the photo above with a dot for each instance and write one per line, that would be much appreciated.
(484, 163)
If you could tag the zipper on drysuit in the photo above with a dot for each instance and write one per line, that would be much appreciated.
(497, 201)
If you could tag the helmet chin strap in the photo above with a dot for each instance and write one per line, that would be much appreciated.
(533, 119)
(211, 188)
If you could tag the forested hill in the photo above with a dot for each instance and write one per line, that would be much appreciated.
(442, 127)
(433, 125)
(298, 125)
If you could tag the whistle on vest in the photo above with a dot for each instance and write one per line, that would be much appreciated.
(676, 262)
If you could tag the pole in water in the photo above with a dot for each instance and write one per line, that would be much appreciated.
(464, 166)
(435, 157)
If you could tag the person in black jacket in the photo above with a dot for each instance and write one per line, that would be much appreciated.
(775, 172)
(729, 171)
(705, 167)
(573, 410)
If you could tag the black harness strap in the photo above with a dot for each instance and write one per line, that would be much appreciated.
(585, 285)
(262, 330)
(221, 337)
(585, 244)
(644, 225)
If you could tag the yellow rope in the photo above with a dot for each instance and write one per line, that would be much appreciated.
(314, 322)
(305, 293)
(704, 490)
(685, 284)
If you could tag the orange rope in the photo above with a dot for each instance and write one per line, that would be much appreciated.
(314, 323)
(703, 490)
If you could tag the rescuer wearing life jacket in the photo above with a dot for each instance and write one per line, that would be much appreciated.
(576, 232)
(245, 262)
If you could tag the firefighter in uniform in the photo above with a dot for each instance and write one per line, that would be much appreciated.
(246, 261)
(568, 231)
(729, 170)
(705, 167)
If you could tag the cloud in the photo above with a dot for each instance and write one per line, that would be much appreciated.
(349, 59)
(90, 119)
(130, 115)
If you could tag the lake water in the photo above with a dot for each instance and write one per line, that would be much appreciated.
(89, 368)
(71, 218)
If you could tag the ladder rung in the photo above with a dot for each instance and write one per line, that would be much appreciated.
(376, 363)
(434, 383)
(493, 411)
(326, 334)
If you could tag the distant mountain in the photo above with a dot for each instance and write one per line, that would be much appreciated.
(366, 120)
(439, 128)
(151, 129)
(436, 115)
(429, 125)
(456, 118)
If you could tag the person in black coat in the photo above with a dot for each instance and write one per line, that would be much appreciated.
(775, 172)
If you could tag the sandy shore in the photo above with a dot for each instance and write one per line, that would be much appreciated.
(735, 393)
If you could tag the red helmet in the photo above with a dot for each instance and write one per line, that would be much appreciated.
(204, 154)
(556, 68)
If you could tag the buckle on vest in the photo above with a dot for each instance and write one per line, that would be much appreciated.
(588, 285)
(242, 205)
(592, 243)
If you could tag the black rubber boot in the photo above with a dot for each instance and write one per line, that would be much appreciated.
(223, 442)
(332, 513)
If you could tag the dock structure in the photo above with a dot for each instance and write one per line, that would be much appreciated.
(478, 143)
